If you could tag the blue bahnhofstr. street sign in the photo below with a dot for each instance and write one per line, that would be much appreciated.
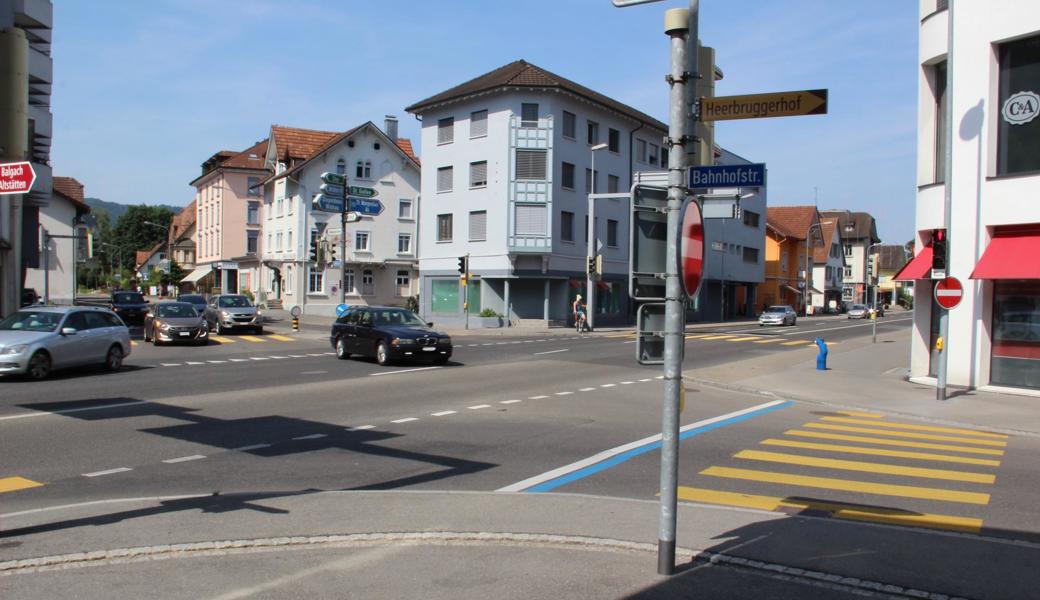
(328, 203)
(365, 206)
(726, 176)
(340, 309)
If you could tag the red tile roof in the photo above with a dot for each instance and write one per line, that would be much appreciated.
(792, 221)
(70, 189)
(250, 158)
(294, 143)
(144, 255)
(405, 145)
(336, 139)
(182, 221)
(821, 253)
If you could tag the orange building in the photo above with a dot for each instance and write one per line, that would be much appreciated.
(786, 229)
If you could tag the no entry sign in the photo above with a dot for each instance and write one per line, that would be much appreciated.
(691, 248)
(948, 292)
(16, 178)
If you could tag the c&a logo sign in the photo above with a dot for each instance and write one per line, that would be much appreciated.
(1021, 108)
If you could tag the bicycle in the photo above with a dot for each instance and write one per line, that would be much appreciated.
(581, 324)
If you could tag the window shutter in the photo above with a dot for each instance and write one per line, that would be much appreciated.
(478, 174)
(529, 115)
(530, 164)
(530, 219)
(478, 123)
(478, 226)
(444, 177)
(446, 130)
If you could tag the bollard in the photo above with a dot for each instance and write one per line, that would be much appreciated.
(821, 357)
(295, 324)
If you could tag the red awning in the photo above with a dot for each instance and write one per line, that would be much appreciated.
(1010, 256)
(919, 266)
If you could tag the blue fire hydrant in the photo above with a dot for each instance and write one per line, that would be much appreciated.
(821, 357)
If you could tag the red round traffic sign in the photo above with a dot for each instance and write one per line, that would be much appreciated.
(948, 292)
(691, 248)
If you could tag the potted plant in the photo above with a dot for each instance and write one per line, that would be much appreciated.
(490, 318)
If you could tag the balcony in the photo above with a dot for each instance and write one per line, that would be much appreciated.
(529, 224)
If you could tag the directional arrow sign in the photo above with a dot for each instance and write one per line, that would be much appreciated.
(332, 189)
(335, 178)
(16, 178)
(362, 192)
(328, 203)
(365, 206)
(761, 106)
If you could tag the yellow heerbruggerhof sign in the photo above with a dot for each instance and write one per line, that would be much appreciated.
(761, 106)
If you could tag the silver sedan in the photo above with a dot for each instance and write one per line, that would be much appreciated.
(36, 340)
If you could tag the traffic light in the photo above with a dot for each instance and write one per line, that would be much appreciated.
(939, 250)
(330, 252)
(593, 263)
(871, 265)
(314, 247)
(463, 266)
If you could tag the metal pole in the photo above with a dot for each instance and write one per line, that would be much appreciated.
(590, 283)
(465, 292)
(343, 245)
(46, 267)
(678, 24)
(944, 317)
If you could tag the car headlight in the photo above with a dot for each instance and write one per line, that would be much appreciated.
(402, 341)
(444, 340)
(16, 349)
(164, 326)
(225, 314)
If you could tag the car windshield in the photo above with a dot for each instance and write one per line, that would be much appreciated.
(396, 316)
(775, 309)
(234, 302)
(128, 298)
(858, 307)
(192, 299)
(25, 320)
(177, 311)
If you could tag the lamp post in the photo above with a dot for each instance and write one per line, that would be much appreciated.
(119, 249)
(590, 289)
(808, 266)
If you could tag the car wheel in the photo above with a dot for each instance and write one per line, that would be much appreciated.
(114, 358)
(39, 366)
(341, 349)
(382, 354)
(794, 321)
(155, 338)
(220, 329)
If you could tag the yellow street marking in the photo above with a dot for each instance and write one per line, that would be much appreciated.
(11, 484)
(921, 436)
(882, 452)
(744, 339)
(856, 413)
(281, 338)
(798, 343)
(916, 427)
(846, 485)
(836, 509)
(221, 339)
(864, 467)
(718, 337)
(251, 338)
(695, 336)
(769, 341)
(887, 442)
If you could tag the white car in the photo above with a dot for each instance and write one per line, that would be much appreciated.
(780, 314)
(36, 340)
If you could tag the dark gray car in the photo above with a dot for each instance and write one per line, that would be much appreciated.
(36, 340)
(232, 312)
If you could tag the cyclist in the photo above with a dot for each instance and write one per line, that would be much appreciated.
(579, 314)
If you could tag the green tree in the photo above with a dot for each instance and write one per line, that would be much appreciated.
(131, 232)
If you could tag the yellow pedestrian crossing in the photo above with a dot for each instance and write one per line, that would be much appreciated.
(864, 467)
(744, 339)
(797, 343)
(769, 340)
(926, 436)
(12, 484)
(856, 413)
(718, 337)
(915, 427)
(251, 338)
(256, 339)
(220, 339)
(887, 442)
(966, 460)
(280, 338)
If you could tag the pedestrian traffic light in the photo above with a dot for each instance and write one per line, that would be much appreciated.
(590, 268)
(463, 266)
(939, 250)
(314, 247)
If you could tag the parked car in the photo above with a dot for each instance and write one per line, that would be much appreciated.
(229, 312)
(388, 334)
(130, 306)
(781, 314)
(34, 341)
(196, 300)
(29, 297)
(175, 322)
(858, 311)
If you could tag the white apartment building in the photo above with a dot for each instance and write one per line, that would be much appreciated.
(993, 83)
(61, 218)
(508, 166)
(858, 236)
(380, 266)
(828, 266)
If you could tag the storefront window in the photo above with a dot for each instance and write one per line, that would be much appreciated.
(1018, 132)
(473, 296)
(445, 296)
(1016, 334)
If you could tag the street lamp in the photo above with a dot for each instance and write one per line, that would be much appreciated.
(808, 272)
(590, 289)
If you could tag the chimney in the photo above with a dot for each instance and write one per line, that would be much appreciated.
(391, 127)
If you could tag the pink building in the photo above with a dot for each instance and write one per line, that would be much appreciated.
(228, 205)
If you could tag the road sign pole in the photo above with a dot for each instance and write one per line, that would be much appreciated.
(678, 24)
(944, 318)
(343, 247)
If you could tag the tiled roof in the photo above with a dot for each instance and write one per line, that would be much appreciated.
(854, 225)
(71, 190)
(250, 158)
(182, 221)
(891, 257)
(144, 255)
(405, 145)
(522, 74)
(295, 143)
(336, 139)
(792, 221)
(821, 253)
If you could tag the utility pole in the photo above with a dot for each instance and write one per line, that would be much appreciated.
(46, 265)
(343, 245)
(944, 316)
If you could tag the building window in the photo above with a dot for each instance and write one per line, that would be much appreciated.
(664, 156)
(612, 233)
(641, 150)
(1018, 130)
(567, 226)
(478, 226)
(348, 282)
(750, 255)
(269, 246)
(590, 186)
(530, 165)
(252, 240)
(277, 242)
(613, 140)
(593, 132)
(1016, 312)
(848, 249)
(444, 177)
(613, 183)
(784, 257)
(653, 154)
(253, 187)
(368, 283)
(368, 169)
(404, 243)
(253, 213)
(530, 219)
(359, 170)
(941, 98)
(315, 281)
(478, 174)
(446, 130)
(478, 123)
(569, 121)
(444, 227)
(848, 272)
(341, 167)
(444, 296)
(567, 176)
(751, 218)
(528, 115)
(361, 241)
(404, 209)
(404, 282)
(288, 241)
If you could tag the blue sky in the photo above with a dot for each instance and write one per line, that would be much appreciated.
(145, 91)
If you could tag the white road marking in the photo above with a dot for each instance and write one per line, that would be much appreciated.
(107, 472)
(170, 364)
(405, 420)
(71, 410)
(586, 389)
(609, 385)
(510, 401)
(444, 413)
(193, 363)
(258, 358)
(329, 354)
(313, 372)
(279, 357)
(297, 356)
(316, 354)
(402, 371)
(184, 459)
(472, 345)
(516, 342)
(487, 344)
(528, 341)
(217, 362)
(313, 436)
(361, 427)
(627, 382)
(630, 342)
(500, 343)
(539, 340)
(252, 447)
(564, 393)
(645, 380)
(552, 351)
(239, 359)
(478, 406)
(867, 324)
(536, 397)
(659, 377)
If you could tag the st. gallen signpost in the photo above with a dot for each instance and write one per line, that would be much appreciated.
(351, 202)
(681, 26)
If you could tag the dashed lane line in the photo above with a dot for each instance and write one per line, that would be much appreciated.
(444, 413)
(108, 472)
(171, 364)
(586, 389)
(536, 397)
(171, 461)
(479, 406)
(251, 447)
(405, 420)
(510, 401)
(553, 351)
(313, 436)
(564, 393)
(361, 428)
(258, 358)
(402, 371)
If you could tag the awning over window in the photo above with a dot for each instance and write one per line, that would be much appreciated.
(919, 266)
(793, 289)
(1010, 256)
(197, 274)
